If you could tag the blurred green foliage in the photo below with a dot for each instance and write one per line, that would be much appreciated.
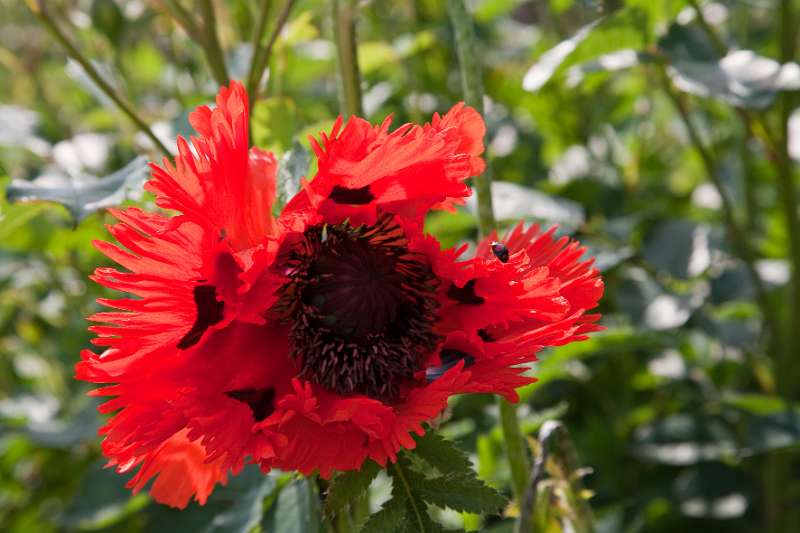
(684, 408)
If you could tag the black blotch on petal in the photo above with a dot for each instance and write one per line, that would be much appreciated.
(465, 294)
(209, 312)
(449, 358)
(260, 401)
(485, 336)
(343, 195)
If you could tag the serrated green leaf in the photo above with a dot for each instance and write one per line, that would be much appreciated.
(81, 196)
(442, 454)
(348, 486)
(390, 517)
(460, 492)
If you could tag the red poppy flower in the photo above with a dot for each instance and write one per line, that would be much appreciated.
(327, 335)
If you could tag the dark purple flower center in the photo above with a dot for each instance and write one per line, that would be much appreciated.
(361, 307)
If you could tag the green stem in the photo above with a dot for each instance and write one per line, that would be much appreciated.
(205, 36)
(214, 53)
(258, 36)
(472, 86)
(787, 371)
(344, 34)
(261, 55)
(182, 17)
(398, 469)
(782, 508)
(515, 449)
(39, 9)
(735, 231)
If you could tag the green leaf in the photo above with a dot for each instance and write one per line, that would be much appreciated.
(235, 508)
(760, 404)
(64, 433)
(295, 511)
(292, 168)
(101, 500)
(712, 490)
(85, 195)
(541, 71)
(688, 42)
(389, 519)
(624, 28)
(513, 201)
(348, 486)
(442, 454)
(108, 18)
(684, 439)
(742, 78)
(678, 247)
(274, 123)
(610, 62)
(461, 492)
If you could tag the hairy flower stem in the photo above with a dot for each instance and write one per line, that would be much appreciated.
(344, 35)
(262, 54)
(473, 95)
(40, 10)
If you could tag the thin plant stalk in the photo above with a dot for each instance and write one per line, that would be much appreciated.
(472, 87)
(789, 203)
(214, 53)
(734, 229)
(261, 55)
(344, 34)
(205, 36)
(40, 10)
(473, 95)
(258, 36)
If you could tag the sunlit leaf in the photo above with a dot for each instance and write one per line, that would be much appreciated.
(274, 123)
(512, 202)
(347, 487)
(742, 78)
(85, 195)
(541, 71)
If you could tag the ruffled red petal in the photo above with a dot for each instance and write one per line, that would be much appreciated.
(499, 313)
(327, 432)
(181, 470)
(218, 181)
(363, 168)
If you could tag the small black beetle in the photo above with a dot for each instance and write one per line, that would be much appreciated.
(500, 251)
